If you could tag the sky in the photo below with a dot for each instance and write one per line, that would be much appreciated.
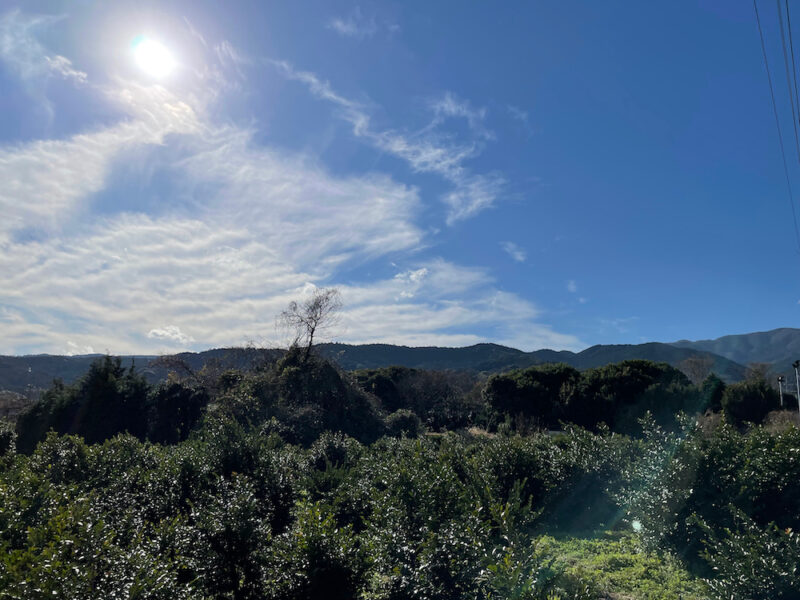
(534, 174)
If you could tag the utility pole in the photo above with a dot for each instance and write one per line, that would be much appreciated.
(781, 379)
(796, 365)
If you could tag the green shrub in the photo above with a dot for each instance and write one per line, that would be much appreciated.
(403, 422)
(749, 401)
(751, 561)
(314, 559)
(542, 394)
(174, 411)
(8, 439)
(231, 537)
(108, 400)
(443, 400)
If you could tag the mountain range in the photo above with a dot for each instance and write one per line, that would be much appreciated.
(726, 356)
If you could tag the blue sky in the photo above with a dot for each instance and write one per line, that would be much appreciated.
(537, 174)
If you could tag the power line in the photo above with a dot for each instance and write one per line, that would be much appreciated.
(778, 126)
(789, 79)
(791, 49)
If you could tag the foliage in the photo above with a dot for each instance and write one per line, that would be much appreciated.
(749, 401)
(617, 395)
(750, 561)
(280, 483)
(443, 400)
(108, 400)
(711, 392)
(544, 393)
(316, 558)
(403, 422)
(616, 563)
(693, 477)
(174, 411)
(8, 439)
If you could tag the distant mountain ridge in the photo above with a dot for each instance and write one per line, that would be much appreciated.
(728, 357)
(493, 357)
(778, 347)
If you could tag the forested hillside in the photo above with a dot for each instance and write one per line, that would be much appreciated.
(778, 345)
(23, 373)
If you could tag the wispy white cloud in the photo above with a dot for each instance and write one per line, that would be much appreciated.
(120, 283)
(354, 25)
(514, 251)
(63, 67)
(231, 58)
(291, 200)
(25, 55)
(473, 194)
(517, 113)
(620, 325)
(424, 151)
(359, 26)
(572, 286)
(446, 299)
(74, 349)
(195, 33)
(522, 116)
(44, 182)
(450, 106)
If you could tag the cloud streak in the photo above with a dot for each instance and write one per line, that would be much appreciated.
(354, 25)
(47, 182)
(21, 50)
(514, 251)
(425, 152)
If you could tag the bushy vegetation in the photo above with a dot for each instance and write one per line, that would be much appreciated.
(297, 480)
(443, 400)
(618, 395)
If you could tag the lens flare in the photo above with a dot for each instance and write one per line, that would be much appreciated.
(152, 57)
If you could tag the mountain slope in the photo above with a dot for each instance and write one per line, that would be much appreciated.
(480, 357)
(492, 357)
(597, 356)
(18, 373)
(777, 345)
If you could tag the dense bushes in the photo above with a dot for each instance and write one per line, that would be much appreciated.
(111, 399)
(544, 394)
(443, 400)
(305, 397)
(8, 439)
(236, 513)
(279, 484)
(300, 397)
(690, 489)
(752, 561)
(108, 400)
(617, 395)
(749, 401)
(232, 513)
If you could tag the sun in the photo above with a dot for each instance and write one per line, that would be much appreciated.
(153, 57)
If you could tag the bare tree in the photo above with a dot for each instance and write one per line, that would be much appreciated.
(311, 316)
(696, 368)
(757, 371)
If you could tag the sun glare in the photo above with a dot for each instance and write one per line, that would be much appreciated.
(152, 57)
